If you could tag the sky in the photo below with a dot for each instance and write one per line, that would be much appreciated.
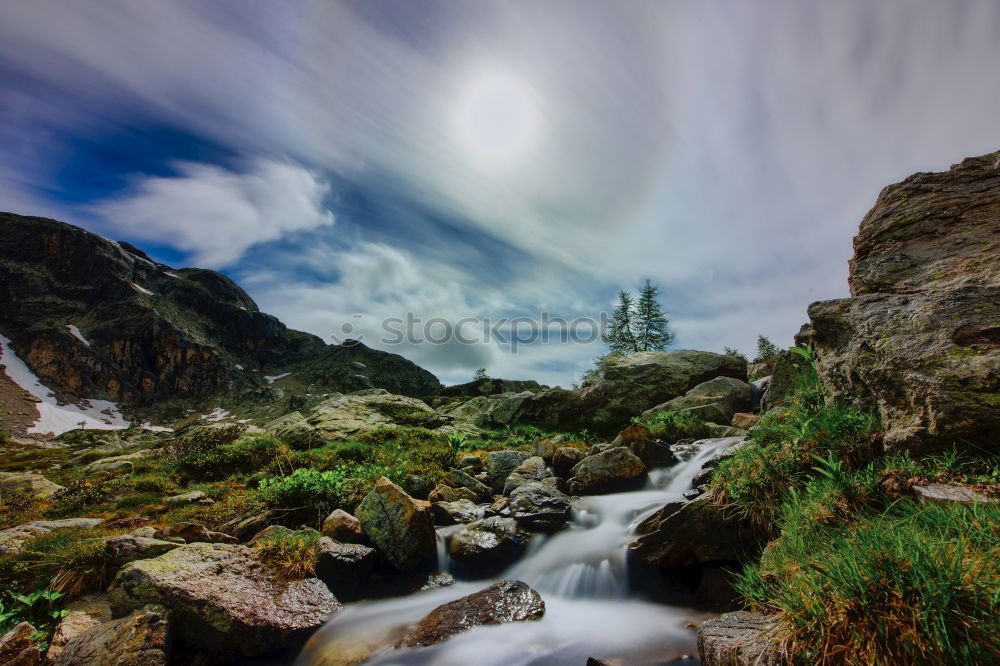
(352, 162)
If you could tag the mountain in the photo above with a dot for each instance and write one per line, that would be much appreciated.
(98, 319)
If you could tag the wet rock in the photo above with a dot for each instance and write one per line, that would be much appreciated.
(941, 493)
(464, 480)
(610, 471)
(17, 648)
(140, 639)
(187, 498)
(83, 614)
(193, 533)
(715, 400)
(223, 600)
(500, 464)
(740, 639)
(640, 441)
(459, 511)
(500, 507)
(541, 506)
(444, 493)
(342, 526)
(35, 486)
(532, 469)
(13, 538)
(487, 546)
(506, 601)
(344, 567)
(127, 547)
(399, 527)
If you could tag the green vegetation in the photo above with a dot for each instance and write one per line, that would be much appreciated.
(639, 325)
(40, 608)
(732, 352)
(292, 555)
(767, 351)
(673, 426)
(70, 561)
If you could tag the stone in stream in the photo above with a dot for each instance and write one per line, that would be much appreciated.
(487, 546)
(140, 639)
(639, 440)
(541, 506)
(344, 567)
(223, 600)
(450, 513)
(399, 527)
(741, 639)
(506, 601)
(532, 469)
(613, 470)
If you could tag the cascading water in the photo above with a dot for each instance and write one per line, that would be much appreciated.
(581, 573)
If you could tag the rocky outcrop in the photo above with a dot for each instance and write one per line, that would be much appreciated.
(715, 401)
(791, 372)
(487, 546)
(400, 528)
(610, 471)
(741, 639)
(140, 639)
(626, 386)
(223, 600)
(506, 601)
(352, 366)
(919, 339)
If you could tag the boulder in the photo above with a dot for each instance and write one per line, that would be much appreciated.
(744, 420)
(35, 486)
(541, 506)
(445, 493)
(624, 386)
(487, 546)
(13, 538)
(532, 469)
(344, 567)
(223, 600)
(459, 511)
(610, 471)
(506, 601)
(919, 338)
(545, 448)
(741, 639)
(942, 493)
(196, 496)
(500, 464)
(714, 401)
(565, 458)
(650, 450)
(17, 647)
(142, 638)
(83, 614)
(342, 526)
(127, 547)
(464, 480)
(399, 527)
(549, 408)
(193, 533)
(791, 372)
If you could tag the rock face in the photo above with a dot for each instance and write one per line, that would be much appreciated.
(610, 471)
(223, 600)
(140, 639)
(716, 400)
(487, 546)
(740, 639)
(401, 529)
(506, 601)
(920, 336)
(626, 386)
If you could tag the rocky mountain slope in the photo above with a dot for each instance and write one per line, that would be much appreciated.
(92, 318)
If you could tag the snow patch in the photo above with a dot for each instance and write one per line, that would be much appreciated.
(271, 380)
(55, 418)
(239, 367)
(75, 332)
(215, 415)
(142, 290)
(173, 275)
(155, 428)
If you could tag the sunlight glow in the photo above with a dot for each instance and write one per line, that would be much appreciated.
(497, 118)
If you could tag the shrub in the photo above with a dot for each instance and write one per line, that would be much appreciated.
(916, 585)
(672, 426)
(40, 608)
(317, 493)
(204, 438)
(291, 555)
(239, 455)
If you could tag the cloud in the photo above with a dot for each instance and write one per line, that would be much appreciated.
(214, 214)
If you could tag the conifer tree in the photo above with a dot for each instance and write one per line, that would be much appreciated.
(621, 335)
(652, 333)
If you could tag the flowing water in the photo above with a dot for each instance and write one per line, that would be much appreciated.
(580, 573)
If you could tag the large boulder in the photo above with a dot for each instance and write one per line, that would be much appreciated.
(919, 339)
(714, 401)
(741, 639)
(487, 546)
(223, 600)
(82, 615)
(625, 386)
(532, 469)
(506, 601)
(344, 567)
(500, 464)
(399, 527)
(142, 638)
(549, 408)
(610, 471)
(541, 506)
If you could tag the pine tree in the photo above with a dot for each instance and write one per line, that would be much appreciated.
(737, 354)
(620, 335)
(651, 321)
(766, 350)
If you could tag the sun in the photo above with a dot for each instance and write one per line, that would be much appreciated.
(497, 118)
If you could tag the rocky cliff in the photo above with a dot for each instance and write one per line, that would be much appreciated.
(93, 318)
(919, 339)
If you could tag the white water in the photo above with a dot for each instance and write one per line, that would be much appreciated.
(581, 574)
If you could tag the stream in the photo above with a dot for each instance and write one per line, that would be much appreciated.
(580, 572)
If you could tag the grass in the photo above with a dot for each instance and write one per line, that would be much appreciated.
(72, 560)
(292, 556)
(672, 426)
